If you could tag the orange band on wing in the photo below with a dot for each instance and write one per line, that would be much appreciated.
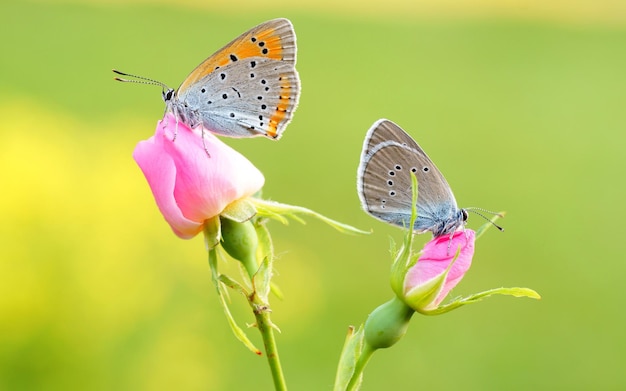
(258, 42)
(282, 107)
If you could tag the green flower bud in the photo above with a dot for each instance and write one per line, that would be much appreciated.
(240, 241)
(387, 324)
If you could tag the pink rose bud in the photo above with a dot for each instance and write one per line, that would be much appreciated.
(425, 284)
(189, 185)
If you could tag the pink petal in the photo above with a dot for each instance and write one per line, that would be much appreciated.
(160, 172)
(435, 259)
(188, 185)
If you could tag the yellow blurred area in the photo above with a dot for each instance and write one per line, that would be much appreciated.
(69, 270)
(576, 11)
(63, 219)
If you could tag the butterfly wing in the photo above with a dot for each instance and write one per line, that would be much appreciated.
(384, 182)
(250, 87)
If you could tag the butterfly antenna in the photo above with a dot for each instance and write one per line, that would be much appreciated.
(141, 80)
(474, 210)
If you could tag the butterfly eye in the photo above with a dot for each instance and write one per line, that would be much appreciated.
(167, 95)
(464, 214)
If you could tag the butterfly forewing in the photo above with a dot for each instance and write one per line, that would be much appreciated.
(274, 39)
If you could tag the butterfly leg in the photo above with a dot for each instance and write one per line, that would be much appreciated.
(206, 149)
(450, 241)
(175, 130)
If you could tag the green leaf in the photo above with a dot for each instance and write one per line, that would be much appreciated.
(262, 280)
(280, 212)
(515, 292)
(275, 289)
(352, 348)
(217, 280)
(212, 233)
(265, 247)
(265, 250)
(232, 284)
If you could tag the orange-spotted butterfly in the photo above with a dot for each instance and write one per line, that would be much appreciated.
(248, 88)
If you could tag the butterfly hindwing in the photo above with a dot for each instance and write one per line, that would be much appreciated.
(250, 97)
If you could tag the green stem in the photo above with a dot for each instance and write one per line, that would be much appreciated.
(266, 328)
(241, 242)
(364, 358)
(384, 327)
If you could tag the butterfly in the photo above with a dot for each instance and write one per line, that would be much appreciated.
(388, 158)
(248, 88)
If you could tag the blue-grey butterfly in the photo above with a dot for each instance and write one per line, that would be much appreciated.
(384, 183)
(248, 88)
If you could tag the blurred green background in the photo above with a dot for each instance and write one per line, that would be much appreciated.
(520, 105)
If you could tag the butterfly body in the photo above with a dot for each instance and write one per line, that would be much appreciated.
(388, 158)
